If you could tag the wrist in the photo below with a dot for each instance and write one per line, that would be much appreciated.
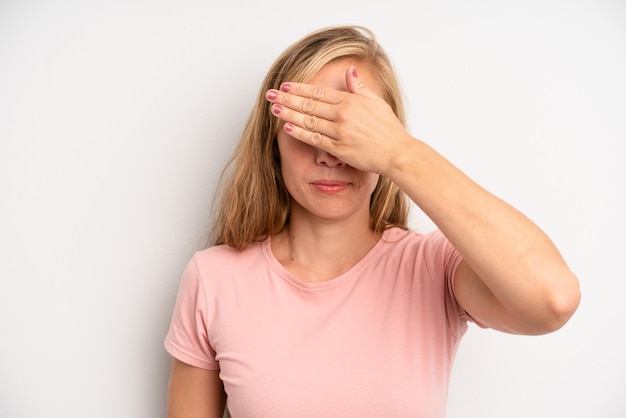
(405, 159)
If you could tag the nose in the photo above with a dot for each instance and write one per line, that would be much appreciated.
(324, 158)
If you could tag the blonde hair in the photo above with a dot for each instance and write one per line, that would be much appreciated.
(254, 202)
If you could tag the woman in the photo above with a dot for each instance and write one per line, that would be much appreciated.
(316, 300)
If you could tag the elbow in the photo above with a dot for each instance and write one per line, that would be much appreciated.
(561, 304)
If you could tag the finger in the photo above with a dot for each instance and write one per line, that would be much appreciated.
(356, 84)
(312, 91)
(312, 138)
(302, 105)
(308, 122)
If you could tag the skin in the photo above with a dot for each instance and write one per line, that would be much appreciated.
(512, 278)
(194, 392)
(329, 200)
(338, 136)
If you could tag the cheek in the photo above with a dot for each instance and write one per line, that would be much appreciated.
(291, 173)
(372, 182)
(294, 156)
(289, 148)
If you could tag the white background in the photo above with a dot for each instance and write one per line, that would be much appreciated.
(117, 117)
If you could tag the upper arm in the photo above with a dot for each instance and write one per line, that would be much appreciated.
(481, 304)
(194, 392)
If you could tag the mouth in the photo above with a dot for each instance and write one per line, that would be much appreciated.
(330, 186)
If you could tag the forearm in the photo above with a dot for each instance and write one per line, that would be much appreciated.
(512, 256)
(515, 272)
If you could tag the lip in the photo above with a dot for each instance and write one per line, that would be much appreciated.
(330, 186)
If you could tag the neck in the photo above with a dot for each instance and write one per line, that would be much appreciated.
(315, 252)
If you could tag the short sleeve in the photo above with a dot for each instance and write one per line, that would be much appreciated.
(187, 339)
(442, 261)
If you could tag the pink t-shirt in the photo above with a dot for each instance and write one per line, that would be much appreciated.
(377, 341)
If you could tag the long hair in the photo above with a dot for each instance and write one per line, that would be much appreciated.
(254, 203)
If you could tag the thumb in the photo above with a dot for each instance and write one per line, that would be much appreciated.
(356, 85)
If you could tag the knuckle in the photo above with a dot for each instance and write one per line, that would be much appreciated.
(342, 113)
(316, 138)
(285, 99)
(310, 122)
(318, 92)
(342, 131)
(308, 105)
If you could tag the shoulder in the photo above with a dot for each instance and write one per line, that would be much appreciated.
(212, 270)
(430, 253)
(222, 261)
(400, 240)
(221, 253)
(223, 256)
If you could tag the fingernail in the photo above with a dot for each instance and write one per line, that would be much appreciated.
(354, 72)
(276, 109)
(285, 87)
(271, 95)
(288, 127)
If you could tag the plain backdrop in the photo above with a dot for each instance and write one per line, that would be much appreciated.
(116, 118)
